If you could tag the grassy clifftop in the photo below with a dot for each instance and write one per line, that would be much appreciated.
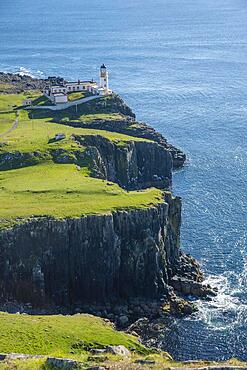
(61, 191)
(34, 182)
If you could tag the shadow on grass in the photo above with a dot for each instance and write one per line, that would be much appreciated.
(41, 100)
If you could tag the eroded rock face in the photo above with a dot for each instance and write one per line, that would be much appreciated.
(91, 259)
(133, 165)
(129, 126)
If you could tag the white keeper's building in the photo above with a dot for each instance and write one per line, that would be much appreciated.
(58, 94)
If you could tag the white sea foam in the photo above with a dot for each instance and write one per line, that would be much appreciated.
(228, 308)
(23, 71)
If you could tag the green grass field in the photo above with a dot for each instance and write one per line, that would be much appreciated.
(56, 190)
(60, 191)
(8, 102)
(6, 122)
(58, 335)
(73, 337)
(34, 134)
(78, 95)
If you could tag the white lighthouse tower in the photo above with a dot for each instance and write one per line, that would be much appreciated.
(104, 84)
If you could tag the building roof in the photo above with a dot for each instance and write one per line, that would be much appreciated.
(81, 82)
(60, 94)
(57, 86)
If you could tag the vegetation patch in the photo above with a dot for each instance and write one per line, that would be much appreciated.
(78, 95)
(58, 335)
(6, 122)
(33, 134)
(63, 190)
(106, 105)
(9, 102)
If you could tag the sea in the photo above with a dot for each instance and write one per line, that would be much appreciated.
(182, 66)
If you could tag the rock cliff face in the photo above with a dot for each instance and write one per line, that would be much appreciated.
(130, 127)
(92, 259)
(133, 165)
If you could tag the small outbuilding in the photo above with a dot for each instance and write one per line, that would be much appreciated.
(60, 98)
(101, 91)
(27, 102)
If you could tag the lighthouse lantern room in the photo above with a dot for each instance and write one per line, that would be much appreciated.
(104, 78)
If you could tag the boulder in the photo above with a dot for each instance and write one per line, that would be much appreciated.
(123, 320)
(62, 363)
(118, 350)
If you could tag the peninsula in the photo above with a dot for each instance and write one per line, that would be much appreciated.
(88, 223)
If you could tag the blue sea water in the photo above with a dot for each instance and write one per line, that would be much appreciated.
(182, 66)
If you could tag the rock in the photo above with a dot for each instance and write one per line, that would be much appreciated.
(190, 287)
(118, 350)
(59, 137)
(96, 351)
(123, 321)
(180, 307)
(62, 363)
(145, 362)
(136, 165)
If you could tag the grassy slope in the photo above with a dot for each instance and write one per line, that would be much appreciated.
(57, 190)
(60, 190)
(55, 335)
(10, 101)
(32, 135)
(6, 122)
(108, 107)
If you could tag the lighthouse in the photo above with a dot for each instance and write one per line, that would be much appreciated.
(104, 78)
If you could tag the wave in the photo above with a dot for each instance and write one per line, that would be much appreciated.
(27, 72)
(228, 309)
(23, 71)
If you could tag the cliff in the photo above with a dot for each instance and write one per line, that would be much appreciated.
(91, 259)
(132, 165)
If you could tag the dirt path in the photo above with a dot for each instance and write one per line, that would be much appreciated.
(15, 124)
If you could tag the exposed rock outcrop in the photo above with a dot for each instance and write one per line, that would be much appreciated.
(130, 127)
(16, 83)
(133, 165)
(94, 258)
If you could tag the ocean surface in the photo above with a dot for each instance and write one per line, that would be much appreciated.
(182, 66)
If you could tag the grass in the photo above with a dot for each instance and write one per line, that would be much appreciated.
(61, 191)
(78, 95)
(60, 336)
(32, 135)
(57, 190)
(100, 116)
(8, 102)
(106, 105)
(6, 122)
(41, 100)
